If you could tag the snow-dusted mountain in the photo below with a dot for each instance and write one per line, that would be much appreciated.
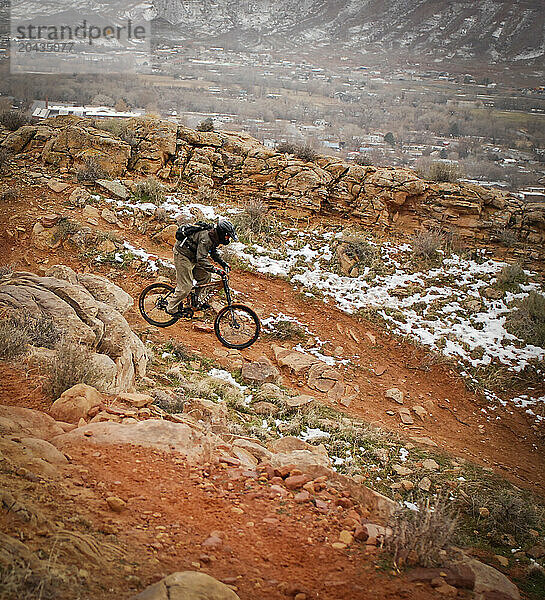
(495, 30)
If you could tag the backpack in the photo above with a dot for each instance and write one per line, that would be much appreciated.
(186, 231)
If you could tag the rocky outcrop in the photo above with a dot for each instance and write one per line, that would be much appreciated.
(80, 313)
(244, 168)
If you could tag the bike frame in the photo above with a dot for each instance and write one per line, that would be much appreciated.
(214, 286)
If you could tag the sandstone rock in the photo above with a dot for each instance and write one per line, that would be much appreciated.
(79, 197)
(56, 185)
(406, 417)
(44, 450)
(295, 361)
(296, 482)
(300, 401)
(260, 453)
(194, 445)
(167, 235)
(30, 423)
(395, 394)
(401, 470)
(76, 403)
(187, 585)
(206, 410)
(116, 504)
(135, 399)
(114, 187)
(489, 582)
(492, 293)
(91, 214)
(425, 484)
(346, 537)
(260, 371)
(109, 216)
(430, 464)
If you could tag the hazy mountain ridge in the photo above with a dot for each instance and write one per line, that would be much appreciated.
(495, 30)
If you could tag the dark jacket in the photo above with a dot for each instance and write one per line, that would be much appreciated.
(199, 246)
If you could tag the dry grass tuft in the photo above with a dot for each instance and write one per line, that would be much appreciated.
(418, 537)
(527, 321)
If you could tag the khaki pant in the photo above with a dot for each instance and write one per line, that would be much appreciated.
(185, 272)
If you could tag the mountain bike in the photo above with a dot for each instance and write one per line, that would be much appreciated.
(236, 326)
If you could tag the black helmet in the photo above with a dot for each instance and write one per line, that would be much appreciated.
(226, 231)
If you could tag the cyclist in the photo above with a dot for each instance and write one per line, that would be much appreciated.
(191, 260)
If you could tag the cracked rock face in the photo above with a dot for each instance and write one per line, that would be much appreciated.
(87, 309)
(374, 196)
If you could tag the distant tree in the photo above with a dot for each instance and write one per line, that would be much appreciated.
(443, 153)
(121, 106)
(454, 129)
(206, 125)
(103, 100)
(390, 139)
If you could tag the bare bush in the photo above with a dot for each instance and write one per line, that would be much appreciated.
(419, 536)
(90, 171)
(13, 340)
(306, 153)
(426, 243)
(71, 365)
(285, 329)
(19, 581)
(8, 195)
(150, 190)
(286, 148)
(364, 160)
(505, 236)
(254, 220)
(511, 276)
(527, 321)
(119, 128)
(13, 119)
(441, 172)
(206, 125)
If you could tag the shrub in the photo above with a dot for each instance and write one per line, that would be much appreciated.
(426, 243)
(206, 125)
(119, 128)
(284, 329)
(5, 158)
(527, 321)
(505, 236)
(439, 171)
(364, 160)
(254, 220)
(19, 581)
(418, 537)
(149, 190)
(306, 153)
(13, 119)
(90, 171)
(13, 340)
(70, 365)
(65, 228)
(286, 148)
(511, 276)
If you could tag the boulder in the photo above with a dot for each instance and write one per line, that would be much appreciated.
(187, 585)
(114, 187)
(28, 423)
(206, 410)
(76, 403)
(260, 371)
(193, 445)
(295, 361)
(261, 453)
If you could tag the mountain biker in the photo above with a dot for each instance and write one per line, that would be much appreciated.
(191, 260)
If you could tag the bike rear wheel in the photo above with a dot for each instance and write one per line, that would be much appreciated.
(237, 326)
(153, 302)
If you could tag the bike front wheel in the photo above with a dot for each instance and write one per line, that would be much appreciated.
(237, 326)
(153, 303)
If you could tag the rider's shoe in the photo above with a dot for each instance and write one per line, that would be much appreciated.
(174, 313)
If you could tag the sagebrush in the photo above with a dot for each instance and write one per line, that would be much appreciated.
(90, 171)
(150, 190)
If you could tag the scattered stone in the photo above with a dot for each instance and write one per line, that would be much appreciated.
(91, 213)
(407, 485)
(49, 220)
(56, 185)
(213, 541)
(420, 412)
(426, 441)
(116, 504)
(371, 337)
(265, 408)
(299, 401)
(391, 413)
(115, 187)
(338, 545)
(394, 394)
(302, 497)
(295, 482)
(135, 399)
(492, 293)
(504, 562)
(430, 464)
(484, 512)
(425, 484)
(379, 370)
(76, 403)
(405, 415)
(109, 216)
(401, 470)
(260, 371)
(346, 537)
